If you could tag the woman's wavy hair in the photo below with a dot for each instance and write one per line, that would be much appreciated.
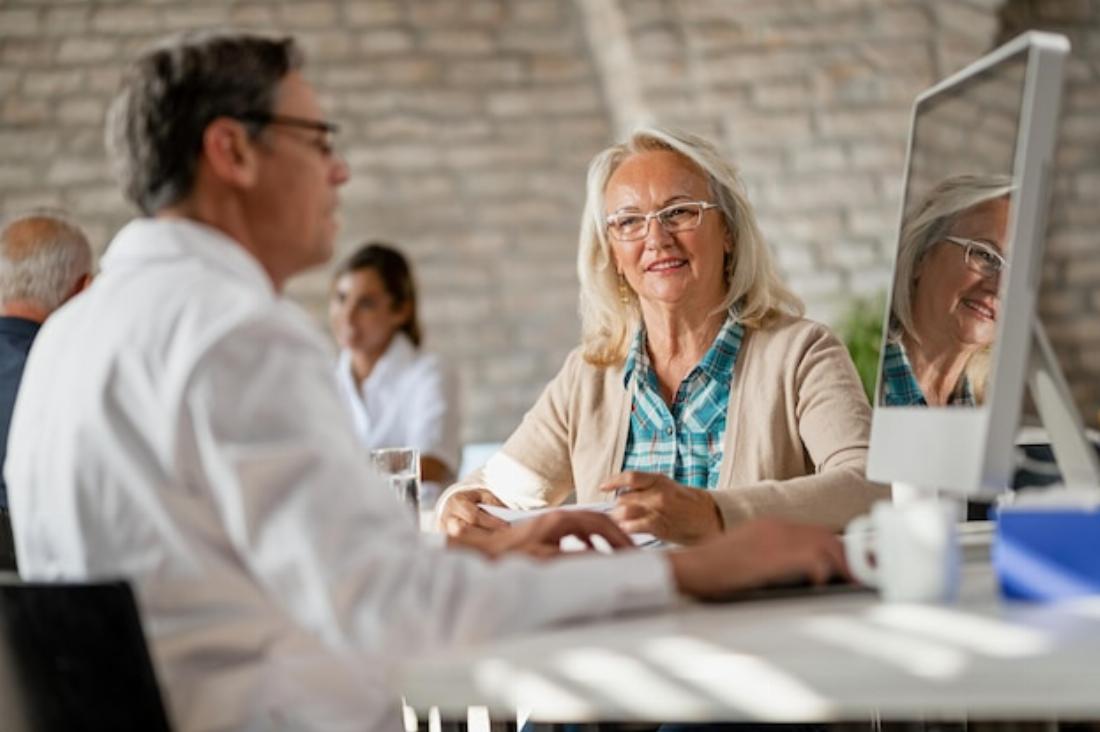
(928, 223)
(753, 285)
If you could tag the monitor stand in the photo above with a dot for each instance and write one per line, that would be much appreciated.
(911, 493)
(1075, 455)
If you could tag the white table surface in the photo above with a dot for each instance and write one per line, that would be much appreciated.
(835, 657)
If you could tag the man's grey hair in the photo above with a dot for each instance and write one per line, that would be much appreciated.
(155, 124)
(43, 255)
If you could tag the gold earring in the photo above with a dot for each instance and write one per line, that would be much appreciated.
(624, 290)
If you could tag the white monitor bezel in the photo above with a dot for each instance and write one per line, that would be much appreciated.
(969, 451)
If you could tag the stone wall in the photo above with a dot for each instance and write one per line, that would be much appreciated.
(467, 126)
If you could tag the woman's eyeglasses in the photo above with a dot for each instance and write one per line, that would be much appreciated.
(673, 219)
(980, 256)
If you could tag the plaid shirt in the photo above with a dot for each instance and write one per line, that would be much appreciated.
(684, 442)
(900, 387)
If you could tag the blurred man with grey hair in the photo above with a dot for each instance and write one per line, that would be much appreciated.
(44, 261)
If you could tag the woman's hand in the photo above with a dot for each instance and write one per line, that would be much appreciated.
(462, 519)
(654, 504)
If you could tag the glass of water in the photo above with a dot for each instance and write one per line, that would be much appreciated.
(399, 468)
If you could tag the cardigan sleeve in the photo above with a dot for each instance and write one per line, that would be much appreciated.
(533, 469)
(825, 413)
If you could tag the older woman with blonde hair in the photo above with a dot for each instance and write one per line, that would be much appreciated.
(699, 397)
(943, 313)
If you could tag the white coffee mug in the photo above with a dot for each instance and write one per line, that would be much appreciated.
(910, 551)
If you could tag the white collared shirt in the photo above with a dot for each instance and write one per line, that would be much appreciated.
(408, 400)
(178, 425)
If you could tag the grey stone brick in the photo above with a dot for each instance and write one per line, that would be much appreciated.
(372, 12)
(491, 72)
(312, 14)
(253, 16)
(29, 198)
(125, 19)
(326, 45)
(87, 49)
(195, 16)
(63, 171)
(465, 42)
(536, 40)
(66, 21)
(14, 177)
(385, 41)
(81, 111)
(435, 13)
(19, 22)
(9, 80)
(52, 83)
(28, 144)
(24, 111)
(24, 53)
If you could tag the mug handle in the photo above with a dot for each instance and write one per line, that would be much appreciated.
(857, 546)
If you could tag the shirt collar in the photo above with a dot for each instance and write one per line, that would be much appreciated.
(900, 387)
(717, 362)
(399, 354)
(146, 240)
(636, 358)
(15, 325)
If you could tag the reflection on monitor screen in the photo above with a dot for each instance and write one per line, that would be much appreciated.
(958, 331)
(953, 246)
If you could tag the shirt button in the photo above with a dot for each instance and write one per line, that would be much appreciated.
(668, 430)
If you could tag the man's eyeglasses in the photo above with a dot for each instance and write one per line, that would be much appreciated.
(980, 256)
(673, 219)
(326, 143)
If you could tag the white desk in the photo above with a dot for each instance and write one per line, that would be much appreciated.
(837, 657)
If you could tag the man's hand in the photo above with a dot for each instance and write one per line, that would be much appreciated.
(462, 519)
(541, 537)
(654, 504)
(756, 553)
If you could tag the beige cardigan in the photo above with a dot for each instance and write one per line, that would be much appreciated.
(795, 444)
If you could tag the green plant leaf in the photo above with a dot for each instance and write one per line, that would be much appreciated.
(861, 331)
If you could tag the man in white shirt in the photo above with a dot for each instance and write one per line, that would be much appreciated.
(178, 425)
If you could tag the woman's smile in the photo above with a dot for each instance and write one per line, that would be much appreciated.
(667, 265)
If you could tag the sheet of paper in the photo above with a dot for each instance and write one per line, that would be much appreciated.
(514, 515)
(569, 543)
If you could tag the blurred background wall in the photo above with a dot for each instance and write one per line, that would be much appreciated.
(467, 126)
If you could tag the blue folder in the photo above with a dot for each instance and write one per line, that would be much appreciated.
(1047, 553)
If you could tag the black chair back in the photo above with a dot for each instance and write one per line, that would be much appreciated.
(7, 543)
(73, 657)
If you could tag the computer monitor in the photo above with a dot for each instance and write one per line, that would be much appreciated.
(958, 329)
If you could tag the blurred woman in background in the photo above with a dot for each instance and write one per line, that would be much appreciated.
(399, 396)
